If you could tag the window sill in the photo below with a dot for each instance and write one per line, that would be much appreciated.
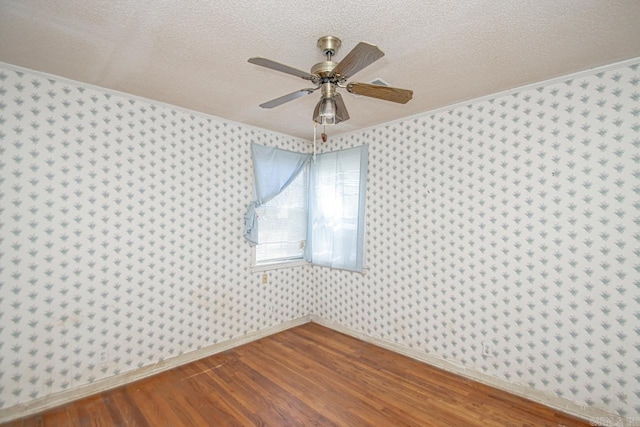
(278, 265)
(364, 271)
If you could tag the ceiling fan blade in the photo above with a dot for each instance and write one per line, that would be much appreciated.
(393, 94)
(286, 98)
(341, 110)
(361, 56)
(268, 63)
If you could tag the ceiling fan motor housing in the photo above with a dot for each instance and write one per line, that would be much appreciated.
(329, 45)
(324, 68)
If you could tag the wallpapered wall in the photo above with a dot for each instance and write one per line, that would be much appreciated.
(120, 230)
(512, 222)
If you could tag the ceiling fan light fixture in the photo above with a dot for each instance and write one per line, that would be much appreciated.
(325, 111)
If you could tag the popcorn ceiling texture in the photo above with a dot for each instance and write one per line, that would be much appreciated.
(510, 222)
(194, 53)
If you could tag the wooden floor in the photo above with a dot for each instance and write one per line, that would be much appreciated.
(306, 376)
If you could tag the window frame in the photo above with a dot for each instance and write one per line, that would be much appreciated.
(274, 265)
(256, 267)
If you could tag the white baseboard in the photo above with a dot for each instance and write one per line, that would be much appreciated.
(591, 414)
(599, 416)
(48, 402)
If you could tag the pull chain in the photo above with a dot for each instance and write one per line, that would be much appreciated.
(315, 125)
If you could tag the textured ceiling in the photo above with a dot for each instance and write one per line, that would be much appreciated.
(194, 54)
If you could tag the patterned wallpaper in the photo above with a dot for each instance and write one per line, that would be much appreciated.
(121, 235)
(504, 236)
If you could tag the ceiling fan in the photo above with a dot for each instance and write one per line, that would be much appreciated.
(329, 76)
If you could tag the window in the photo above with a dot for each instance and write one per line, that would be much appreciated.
(282, 224)
(336, 204)
(311, 210)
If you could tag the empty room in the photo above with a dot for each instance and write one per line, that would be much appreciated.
(279, 213)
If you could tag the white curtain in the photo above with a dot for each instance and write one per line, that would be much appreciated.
(273, 170)
(335, 230)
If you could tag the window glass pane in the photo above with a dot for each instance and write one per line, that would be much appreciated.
(337, 209)
(282, 224)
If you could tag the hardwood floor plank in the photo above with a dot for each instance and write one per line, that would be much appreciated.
(56, 417)
(369, 400)
(97, 413)
(111, 405)
(308, 375)
(314, 367)
(448, 390)
(266, 399)
(211, 406)
(316, 395)
(368, 388)
(129, 412)
(33, 422)
(149, 398)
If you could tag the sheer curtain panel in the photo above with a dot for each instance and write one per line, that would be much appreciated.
(273, 170)
(335, 230)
